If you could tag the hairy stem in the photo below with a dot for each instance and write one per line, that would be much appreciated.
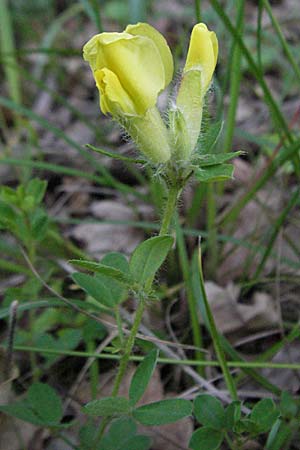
(168, 214)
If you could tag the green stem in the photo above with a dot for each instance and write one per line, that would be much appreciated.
(94, 370)
(182, 362)
(119, 324)
(165, 225)
(31, 250)
(212, 243)
(169, 210)
(166, 221)
(128, 347)
(193, 310)
(8, 50)
(198, 10)
(215, 336)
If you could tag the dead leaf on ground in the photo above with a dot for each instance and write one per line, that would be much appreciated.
(253, 222)
(232, 316)
(100, 239)
(285, 379)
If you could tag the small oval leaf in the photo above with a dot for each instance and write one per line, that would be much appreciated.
(264, 414)
(108, 271)
(149, 256)
(165, 411)
(142, 377)
(95, 288)
(209, 411)
(220, 172)
(107, 406)
(206, 438)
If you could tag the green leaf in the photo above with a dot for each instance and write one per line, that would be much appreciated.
(209, 411)
(137, 442)
(95, 288)
(36, 188)
(93, 330)
(122, 436)
(42, 407)
(87, 435)
(210, 137)
(149, 256)
(142, 377)
(39, 224)
(108, 271)
(121, 429)
(246, 426)
(45, 402)
(264, 414)
(219, 172)
(116, 155)
(206, 438)
(123, 426)
(232, 414)
(7, 214)
(216, 158)
(288, 406)
(69, 338)
(107, 406)
(165, 411)
(21, 411)
(117, 261)
(279, 436)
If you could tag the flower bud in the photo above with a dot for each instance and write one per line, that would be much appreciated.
(197, 74)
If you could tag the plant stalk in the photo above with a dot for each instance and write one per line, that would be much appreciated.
(169, 210)
(215, 335)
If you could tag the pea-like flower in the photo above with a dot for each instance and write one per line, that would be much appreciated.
(132, 68)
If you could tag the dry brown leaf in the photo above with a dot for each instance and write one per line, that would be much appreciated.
(100, 239)
(253, 221)
(232, 316)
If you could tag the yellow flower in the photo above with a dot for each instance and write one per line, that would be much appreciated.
(130, 68)
(202, 54)
(197, 74)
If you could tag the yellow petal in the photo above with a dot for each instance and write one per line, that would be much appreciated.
(146, 30)
(202, 53)
(135, 61)
(113, 98)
